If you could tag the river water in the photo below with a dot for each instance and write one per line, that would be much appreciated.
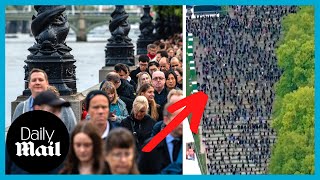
(89, 55)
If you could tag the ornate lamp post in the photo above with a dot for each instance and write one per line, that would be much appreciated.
(146, 27)
(159, 26)
(50, 52)
(119, 48)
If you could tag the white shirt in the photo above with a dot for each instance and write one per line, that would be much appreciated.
(106, 132)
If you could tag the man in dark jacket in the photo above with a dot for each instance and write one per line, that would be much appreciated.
(125, 91)
(143, 67)
(124, 72)
(97, 105)
(166, 152)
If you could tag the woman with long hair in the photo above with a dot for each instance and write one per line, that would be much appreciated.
(147, 91)
(117, 107)
(143, 78)
(120, 152)
(85, 153)
(179, 74)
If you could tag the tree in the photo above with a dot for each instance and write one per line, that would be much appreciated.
(293, 116)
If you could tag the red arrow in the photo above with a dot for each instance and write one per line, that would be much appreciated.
(193, 104)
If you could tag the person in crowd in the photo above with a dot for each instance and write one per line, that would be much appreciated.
(117, 108)
(166, 152)
(86, 151)
(143, 67)
(124, 72)
(147, 91)
(162, 46)
(173, 97)
(152, 51)
(153, 66)
(175, 63)
(143, 78)
(65, 111)
(190, 153)
(124, 89)
(38, 82)
(45, 101)
(120, 152)
(171, 80)
(170, 52)
(179, 74)
(161, 54)
(164, 64)
(235, 63)
(97, 105)
(160, 92)
(48, 101)
(139, 122)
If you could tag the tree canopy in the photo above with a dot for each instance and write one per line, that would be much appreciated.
(293, 117)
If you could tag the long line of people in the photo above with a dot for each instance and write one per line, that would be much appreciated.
(237, 66)
(121, 117)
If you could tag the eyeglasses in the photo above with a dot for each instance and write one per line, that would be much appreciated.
(158, 78)
(143, 64)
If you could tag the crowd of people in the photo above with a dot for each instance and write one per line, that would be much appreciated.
(237, 67)
(120, 117)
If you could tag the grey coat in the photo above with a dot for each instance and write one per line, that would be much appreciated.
(67, 114)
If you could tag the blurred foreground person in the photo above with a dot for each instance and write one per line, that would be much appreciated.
(120, 152)
(166, 157)
(85, 153)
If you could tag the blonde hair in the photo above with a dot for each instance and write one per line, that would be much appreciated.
(153, 105)
(54, 90)
(174, 92)
(139, 103)
(139, 81)
(108, 86)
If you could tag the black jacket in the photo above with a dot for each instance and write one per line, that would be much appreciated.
(156, 160)
(141, 129)
(133, 75)
(126, 93)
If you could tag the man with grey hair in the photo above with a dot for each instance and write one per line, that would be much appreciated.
(125, 90)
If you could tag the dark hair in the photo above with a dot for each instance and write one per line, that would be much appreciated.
(38, 70)
(179, 70)
(92, 94)
(144, 58)
(122, 138)
(113, 76)
(128, 68)
(121, 67)
(151, 63)
(163, 53)
(162, 45)
(72, 162)
(167, 73)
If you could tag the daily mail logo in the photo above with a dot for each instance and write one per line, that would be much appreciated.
(28, 148)
(37, 142)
